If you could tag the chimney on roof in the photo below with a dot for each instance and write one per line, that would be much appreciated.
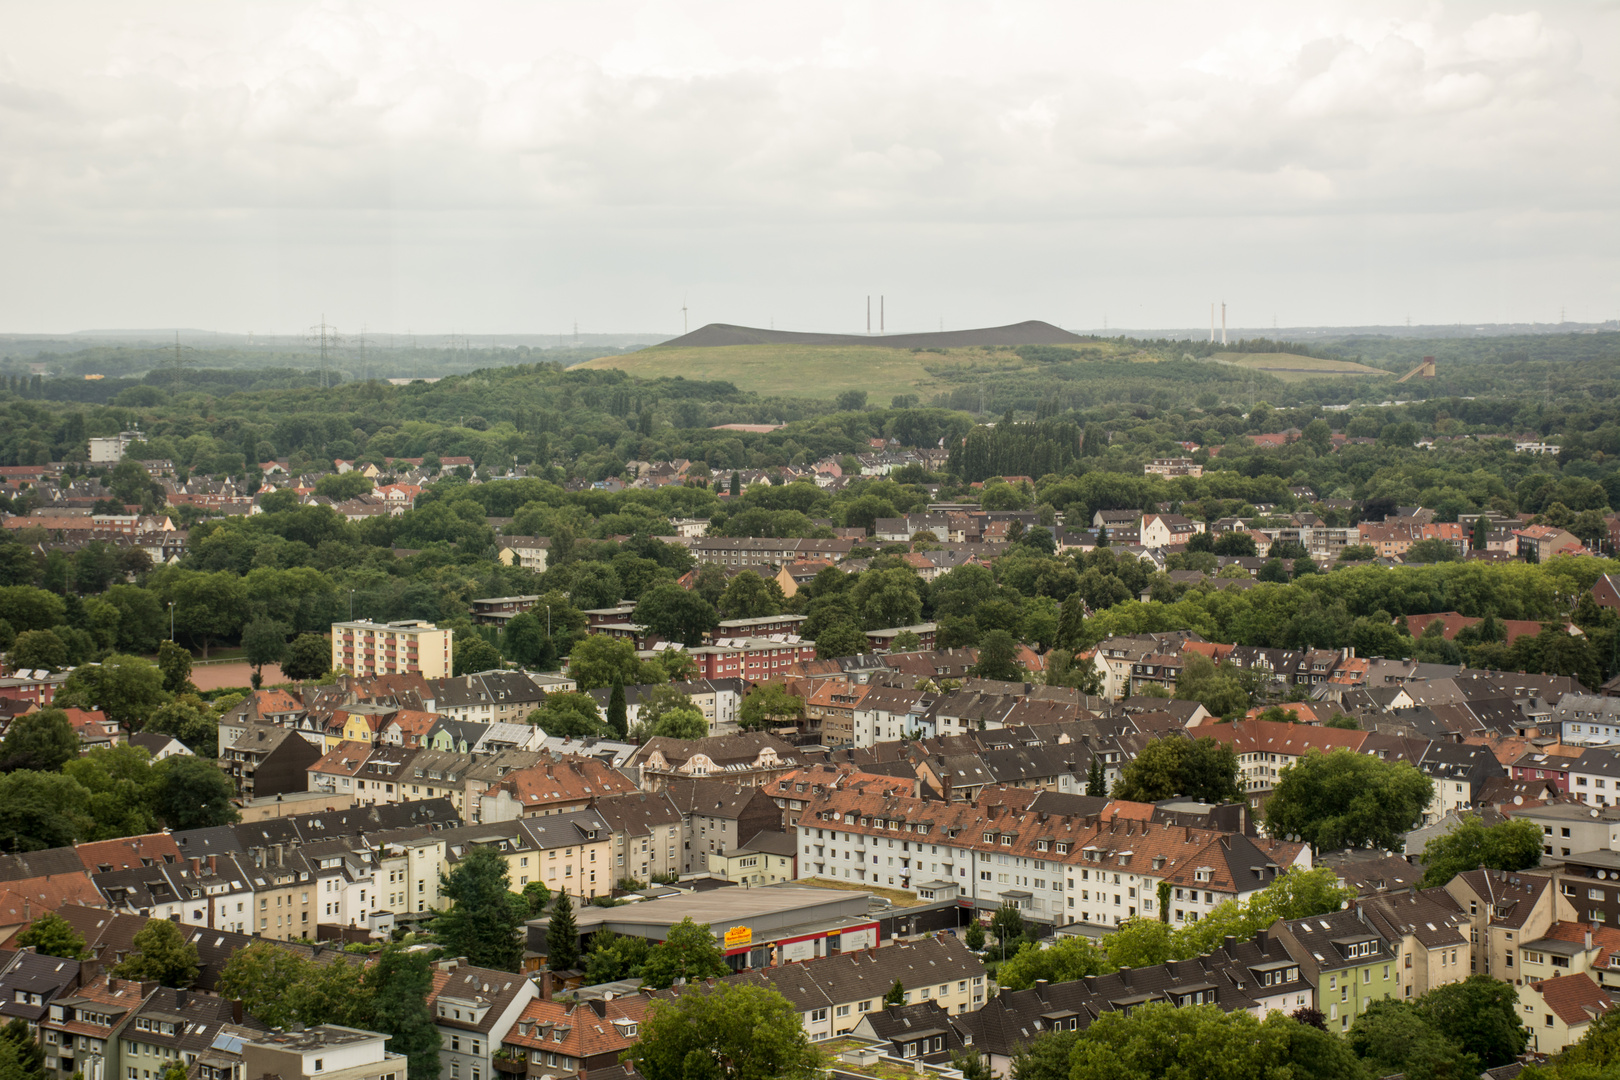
(1589, 939)
(1125, 975)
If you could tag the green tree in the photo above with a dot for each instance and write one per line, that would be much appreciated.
(308, 658)
(38, 650)
(1480, 1013)
(676, 723)
(1139, 943)
(1066, 960)
(841, 639)
(896, 994)
(659, 700)
(1514, 844)
(1432, 551)
(749, 596)
(599, 661)
(725, 1033)
(1344, 799)
(18, 1043)
(43, 741)
(974, 937)
(1008, 926)
(484, 919)
(162, 954)
(689, 952)
(617, 711)
(42, 810)
(1096, 781)
(525, 642)
(264, 641)
(400, 983)
(263, 976)
(767, 705)
(998, 657)
(52, 935)
(972, 1064)
(1217, 689)
(175, 663)
(1161, 1040)
(570, 715)
(121, 783)
(472, 654)
(1598, 1050)
(1046, 1057)
(129, 689)
(537, 897)
(562, 935)
(675, 614)
(1395, 1037)
(613, 956)
(192, 793)
(209, 606)
(1172, 766)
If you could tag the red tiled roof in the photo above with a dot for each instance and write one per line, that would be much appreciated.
(128, 852)
(1576, 999)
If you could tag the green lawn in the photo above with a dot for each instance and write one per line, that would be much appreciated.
(817, 371)
(1292, 368)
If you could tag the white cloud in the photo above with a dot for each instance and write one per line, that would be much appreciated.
(505, 165)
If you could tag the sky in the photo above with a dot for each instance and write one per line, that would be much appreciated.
(526, 167)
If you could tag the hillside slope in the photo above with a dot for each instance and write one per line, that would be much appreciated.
(1032, 332)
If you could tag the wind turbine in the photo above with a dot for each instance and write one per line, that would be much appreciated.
(683, 316)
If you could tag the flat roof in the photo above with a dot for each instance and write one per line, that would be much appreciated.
(315, 1038)
(725, 907)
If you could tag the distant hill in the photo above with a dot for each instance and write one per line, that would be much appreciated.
(1033, 332)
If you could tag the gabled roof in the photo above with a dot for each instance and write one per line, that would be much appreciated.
(1576, 999)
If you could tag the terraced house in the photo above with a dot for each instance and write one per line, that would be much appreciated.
(1056, 868)
(1346, 958)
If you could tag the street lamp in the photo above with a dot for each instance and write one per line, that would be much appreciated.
(351, 605)
(171, 620)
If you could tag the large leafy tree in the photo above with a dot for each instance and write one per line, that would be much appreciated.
(472, 654)
(599, 661)
(1203, 769)
(1514, 844)
(768, 704)
(1345, 799)
(42, 810)
(841, 639)
(193, 794)
(52, 935)
(129, 689)
(264, 641)
(1161, 1040)
(308, 658)
(725, 1033)
(570, 715)
(483, 921)
(399, 984)
(749, 596)
(1217, 689)
(688, 951)
(163, 954)
(38, 650)
(1066, 960)
(121, 783)
(998, 657)
(42, 740)
(1481, 1014)
(675, 614)
(175, 663)
(1396, 1037)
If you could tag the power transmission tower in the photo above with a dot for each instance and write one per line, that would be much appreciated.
(326, 336)
(180, 361)
(363, 373)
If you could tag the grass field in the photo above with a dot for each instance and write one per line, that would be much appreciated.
(816, 371)
(1291, 368)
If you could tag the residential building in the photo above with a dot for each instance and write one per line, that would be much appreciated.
(646, 833)
(474, 1008)
(1345, 958)
(769, 856)
(1505, 910)
(326, 1051)
(749, 759)
(717, 816)
(759, 552)
(551, 786)
(1558, 1012)
(268, 761)
(1429, 935)
(1172, 467)
(367, 649)
(571, 1038)
(81, 1030)
(529, 552)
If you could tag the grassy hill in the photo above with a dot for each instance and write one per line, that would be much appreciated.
(1291, 368)
(815, 371)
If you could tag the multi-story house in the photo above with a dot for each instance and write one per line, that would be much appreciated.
(267, 760)
(551, 786)
(1265, 747)
(1164, 530)
(769, 856)
(885, 714)
(81, 1031)
(1344, 956)
(571, 1038)
(1429, 934)
(1558, 1012)
(833, 993)
(488, 697)
(171, 1028)
(1505, 910)
(366, 649)
(570, 853)
(717, 816)
(474, 1008)
(756, 552)
(326, 1052)
(646, 834)
(749, 759)
(1574, 948)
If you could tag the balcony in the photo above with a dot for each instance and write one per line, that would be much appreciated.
(511, 1061)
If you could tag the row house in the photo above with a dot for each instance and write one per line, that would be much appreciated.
(1056, 868)
(1258, 976)
(833, 994)
(763, 551)
(1265, 747)
(552, 786)
(645, 832)
(491, 697)
(554, 1038)
(473, 1008)
(1588, 719)
(1427, 933)
(885, 714)
(749, 759)
(1116, 658)
(717, 817)
(1505, 910)
(1346, 958)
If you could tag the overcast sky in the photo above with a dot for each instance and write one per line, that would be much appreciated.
(514, 167)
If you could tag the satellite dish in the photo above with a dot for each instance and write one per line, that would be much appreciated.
(1602, 874)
